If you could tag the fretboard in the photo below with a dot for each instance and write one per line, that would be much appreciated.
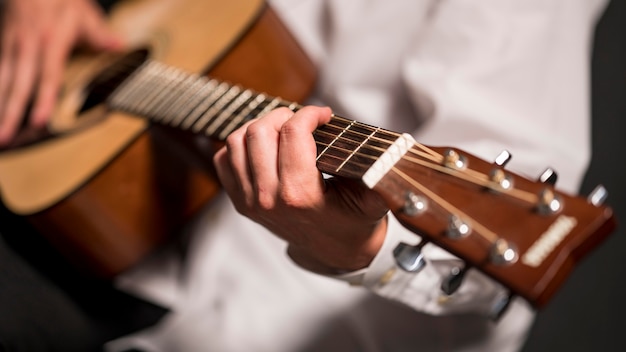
(202, 105)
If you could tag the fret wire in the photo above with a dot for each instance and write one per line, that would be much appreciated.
(132, 89)
(330, 147)
(224, 100)
(334, 140)
(191, 100)
(149, 89)
(357, 149)
(184, 91)
(154, 74)
(363, 135)
(375, 148)
(166, 83)
(150, 73)
(120, 96)
(269, 107)
(241, 116)
(198, 91)
(204, 105)
(229, 111)
(351, 141)
(428, 153)
(392, 134)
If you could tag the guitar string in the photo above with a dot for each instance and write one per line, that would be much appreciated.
(422, 151)
(151, 66)
(484, 232)
(426, 154)
(482, 181)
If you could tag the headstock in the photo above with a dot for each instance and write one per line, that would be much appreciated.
(523, 233)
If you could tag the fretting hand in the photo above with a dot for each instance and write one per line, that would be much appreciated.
(268, 169)
(37, 37)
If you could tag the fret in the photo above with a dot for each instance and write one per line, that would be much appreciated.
(242, 116)
(204, 105)
(345, 147)
(269, 107)
(323, 152)
(224, 100)
(349, 148)
(165, 84)
(150, 87)
(228, 112)
(181, 94)
(356, 149)
(197, 92)
(127, 95)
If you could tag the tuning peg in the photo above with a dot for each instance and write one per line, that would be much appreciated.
(502, 252)
(549, 176)
(549, 202)
(453, 281)
(500, 306)
(414, 204)
(503, 158)
(409, 257)
(454, 160)
(598, 196)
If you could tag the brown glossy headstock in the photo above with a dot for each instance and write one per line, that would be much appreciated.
(523, 233)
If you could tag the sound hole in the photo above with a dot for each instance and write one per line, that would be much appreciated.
(101, 87)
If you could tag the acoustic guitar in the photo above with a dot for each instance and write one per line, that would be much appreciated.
(107, 191)
(523, 233)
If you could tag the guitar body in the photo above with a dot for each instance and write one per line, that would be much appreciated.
(108, 194)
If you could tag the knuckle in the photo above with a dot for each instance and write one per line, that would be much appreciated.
(258, 129)
(265, 202)
(293, 199)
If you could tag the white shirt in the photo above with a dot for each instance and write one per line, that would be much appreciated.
(482, 76)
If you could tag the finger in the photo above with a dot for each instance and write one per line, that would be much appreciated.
(263, 137)
(226, 174)
(22, 85)
(60, 41)
(237, 179)
(95, 32)
(298, 150)
(7, 60)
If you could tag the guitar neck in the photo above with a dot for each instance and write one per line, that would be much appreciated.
(196, 103)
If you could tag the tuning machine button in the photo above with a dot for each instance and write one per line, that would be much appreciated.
(598, 196)
(503, 158)
(549, 177)
(409, 257)
(453, 281)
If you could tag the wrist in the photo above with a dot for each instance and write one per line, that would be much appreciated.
(344, 257)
